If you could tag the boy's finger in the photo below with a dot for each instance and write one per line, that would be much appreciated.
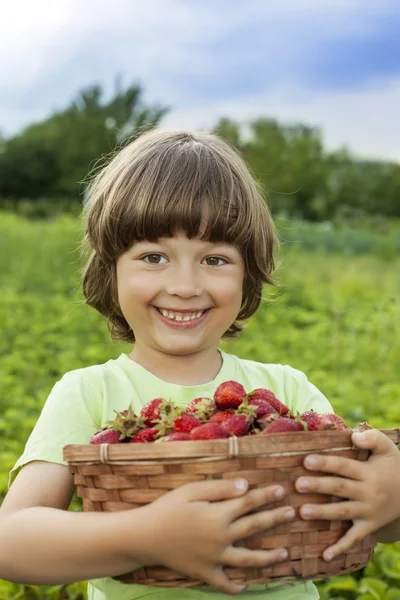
(336, 511)
(357, 533)
(213, 490)
(219, 580)
(374, 440)
(345, 467)
(243, 557)
(332, 486)
(254, 499)
(260, 521)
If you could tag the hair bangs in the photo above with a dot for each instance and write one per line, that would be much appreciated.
(188, 189)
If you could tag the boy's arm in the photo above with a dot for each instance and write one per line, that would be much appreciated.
(49, 546)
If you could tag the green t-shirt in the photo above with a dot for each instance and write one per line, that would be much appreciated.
(85, 399)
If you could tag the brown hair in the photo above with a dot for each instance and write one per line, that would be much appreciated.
(168, 181)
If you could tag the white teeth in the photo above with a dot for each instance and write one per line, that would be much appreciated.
(176, 317)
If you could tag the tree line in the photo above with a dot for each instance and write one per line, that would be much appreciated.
(50, 159)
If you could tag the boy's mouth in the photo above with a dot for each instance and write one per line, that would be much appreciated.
(181, 316)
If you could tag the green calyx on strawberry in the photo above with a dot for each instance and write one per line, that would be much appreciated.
(229, 394)
(120, 429)
(127, 423)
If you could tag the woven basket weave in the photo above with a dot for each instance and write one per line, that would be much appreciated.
(116, 477)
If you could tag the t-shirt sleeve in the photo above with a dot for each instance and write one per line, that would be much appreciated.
(71, 415)
(303, 394)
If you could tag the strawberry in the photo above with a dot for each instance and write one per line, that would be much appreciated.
(335, 421)
(106, 435)
(209, 431)
(313, 420)
(262, 408)
(220, 416)
(185, 423)
(284, 424)
(154, 410)
(229, 395)
(126, 422)
(268, 396)
(202, 408)
(146, 435)
(178, 436)
(237, 424)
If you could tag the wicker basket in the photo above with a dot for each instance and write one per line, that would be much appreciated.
(114, 477)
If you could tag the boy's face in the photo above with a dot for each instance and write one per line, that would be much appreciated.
(178, 295)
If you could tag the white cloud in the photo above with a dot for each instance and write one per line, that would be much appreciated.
(367, 122)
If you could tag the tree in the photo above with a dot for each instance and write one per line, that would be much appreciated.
(53, 157)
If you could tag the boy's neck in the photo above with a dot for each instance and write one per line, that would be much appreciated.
(189, 370)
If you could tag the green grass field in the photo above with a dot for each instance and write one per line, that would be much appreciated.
(334, 316)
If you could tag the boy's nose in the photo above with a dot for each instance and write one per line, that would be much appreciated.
(184, 283)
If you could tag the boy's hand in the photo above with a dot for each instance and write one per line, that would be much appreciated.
(194, 529)
(371, 489)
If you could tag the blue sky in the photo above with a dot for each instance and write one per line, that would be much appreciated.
(332, 64)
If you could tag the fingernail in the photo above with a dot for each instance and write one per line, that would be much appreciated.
(311, 461)
(329, 556)
(279, 492)
(283, 554)
(307, 512)
(360, 437)
(241, 485)
(303, 484)
(289, 514)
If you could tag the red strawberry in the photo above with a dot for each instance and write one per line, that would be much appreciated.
(284, 424)
(268, 396)
(154, 410)
(209, 431)
(237, 424)
(146, 435)
(335, 421)
(229, 395)
(313, 420)
(220, 416)
(106, 435)
(262, 408)
(178, 436)
(202, 408)
(185, 423)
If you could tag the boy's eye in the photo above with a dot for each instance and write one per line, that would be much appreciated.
(213, 261)
(153, 259)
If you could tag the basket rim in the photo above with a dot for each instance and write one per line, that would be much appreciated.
(276, 444)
